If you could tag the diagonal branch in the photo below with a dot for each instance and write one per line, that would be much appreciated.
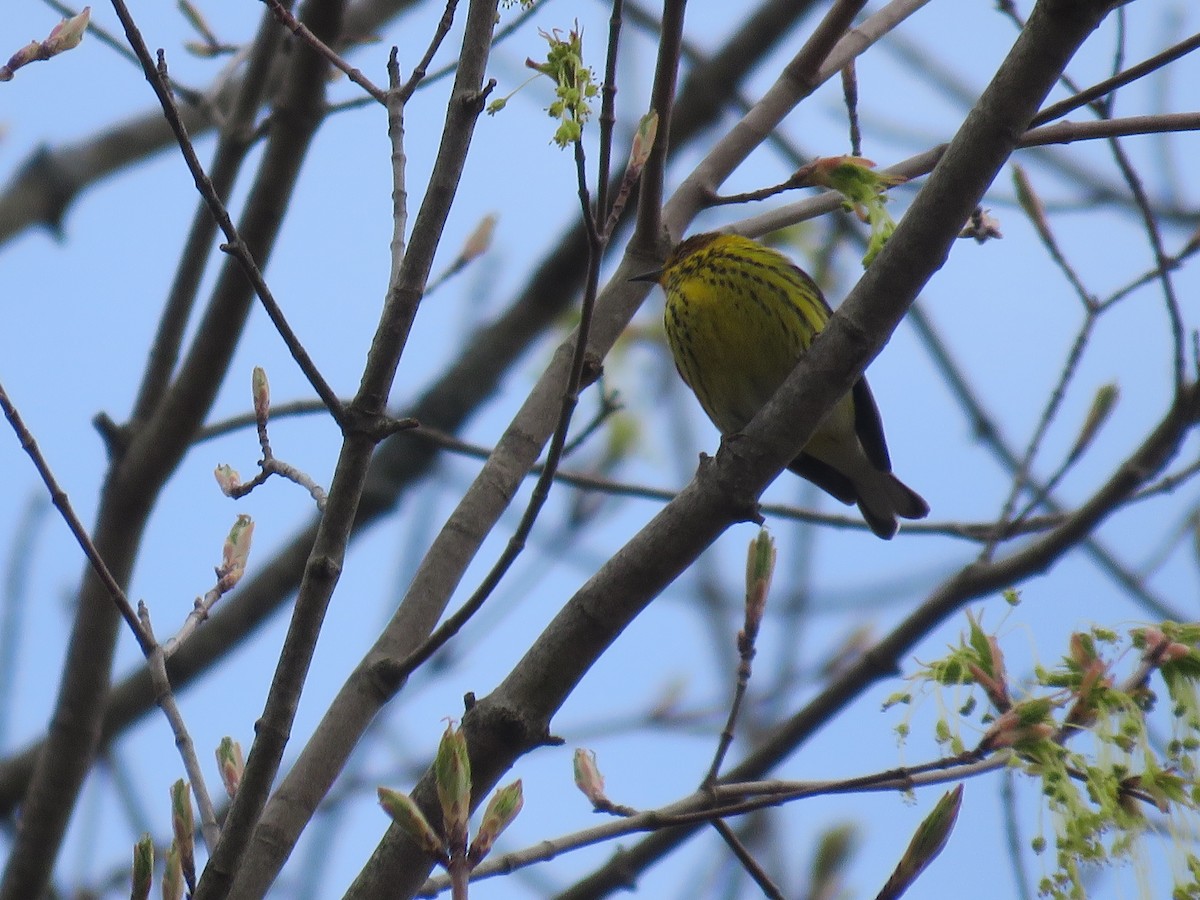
(515, 717)
(469, 381)
(132, 484)
(225, 871)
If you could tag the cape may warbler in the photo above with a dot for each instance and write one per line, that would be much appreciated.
(739, 317)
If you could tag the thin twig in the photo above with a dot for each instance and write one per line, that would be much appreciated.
(1021, 476)
(396, 671)
(1191, 246)
(1103, 109)
(608, 117)
(235, 137)
(190, 95)
(850, 96)
(451, 67)
(740, 798)
(63, 504)
(159, 81)
(257, 850)
(328, 53)
(268, 465)
(1012, 834)
(157, 662)
(923, 163)
(201, 609)
(138, 622)
(417, 76)
(749, 863)
(1163, 268)
(760, 567)
(395, 110)
(1035, 211)
(609, 406)
(15, 601)
(1100, 89)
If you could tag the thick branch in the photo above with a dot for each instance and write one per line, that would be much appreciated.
(515, 717)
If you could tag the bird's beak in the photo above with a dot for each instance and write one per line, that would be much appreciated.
(653, 277)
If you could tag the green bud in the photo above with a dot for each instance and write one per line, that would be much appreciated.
(452, 773)
(831, 860)
(236, 551)
(574, 83)
(183, 826)
(406, 814)
(202, 49)
(864, 191)
(760, 568)
(143, 868)
(928, 841)
(231, 764)
(172, 882)
(261, 390)
(643, 141)
(500, 812)
(1103, 404)
(1030, 202)
(194, 17)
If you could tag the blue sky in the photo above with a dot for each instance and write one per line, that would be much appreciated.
(80, 312)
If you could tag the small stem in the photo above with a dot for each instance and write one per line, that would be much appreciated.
(297, 28)
(460, 876)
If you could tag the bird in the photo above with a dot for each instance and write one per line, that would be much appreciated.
(739, 316)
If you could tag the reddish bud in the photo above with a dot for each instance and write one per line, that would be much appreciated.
(588, 777)
(231, 764)
(228, 480)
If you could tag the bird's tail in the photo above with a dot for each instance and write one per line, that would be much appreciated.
(882, 497)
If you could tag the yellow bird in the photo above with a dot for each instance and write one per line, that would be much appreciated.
(739, 317)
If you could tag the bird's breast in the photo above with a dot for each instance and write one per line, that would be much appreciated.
(733, 345)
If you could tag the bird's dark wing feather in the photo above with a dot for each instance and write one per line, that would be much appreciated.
(869, 427)
(826, 477)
